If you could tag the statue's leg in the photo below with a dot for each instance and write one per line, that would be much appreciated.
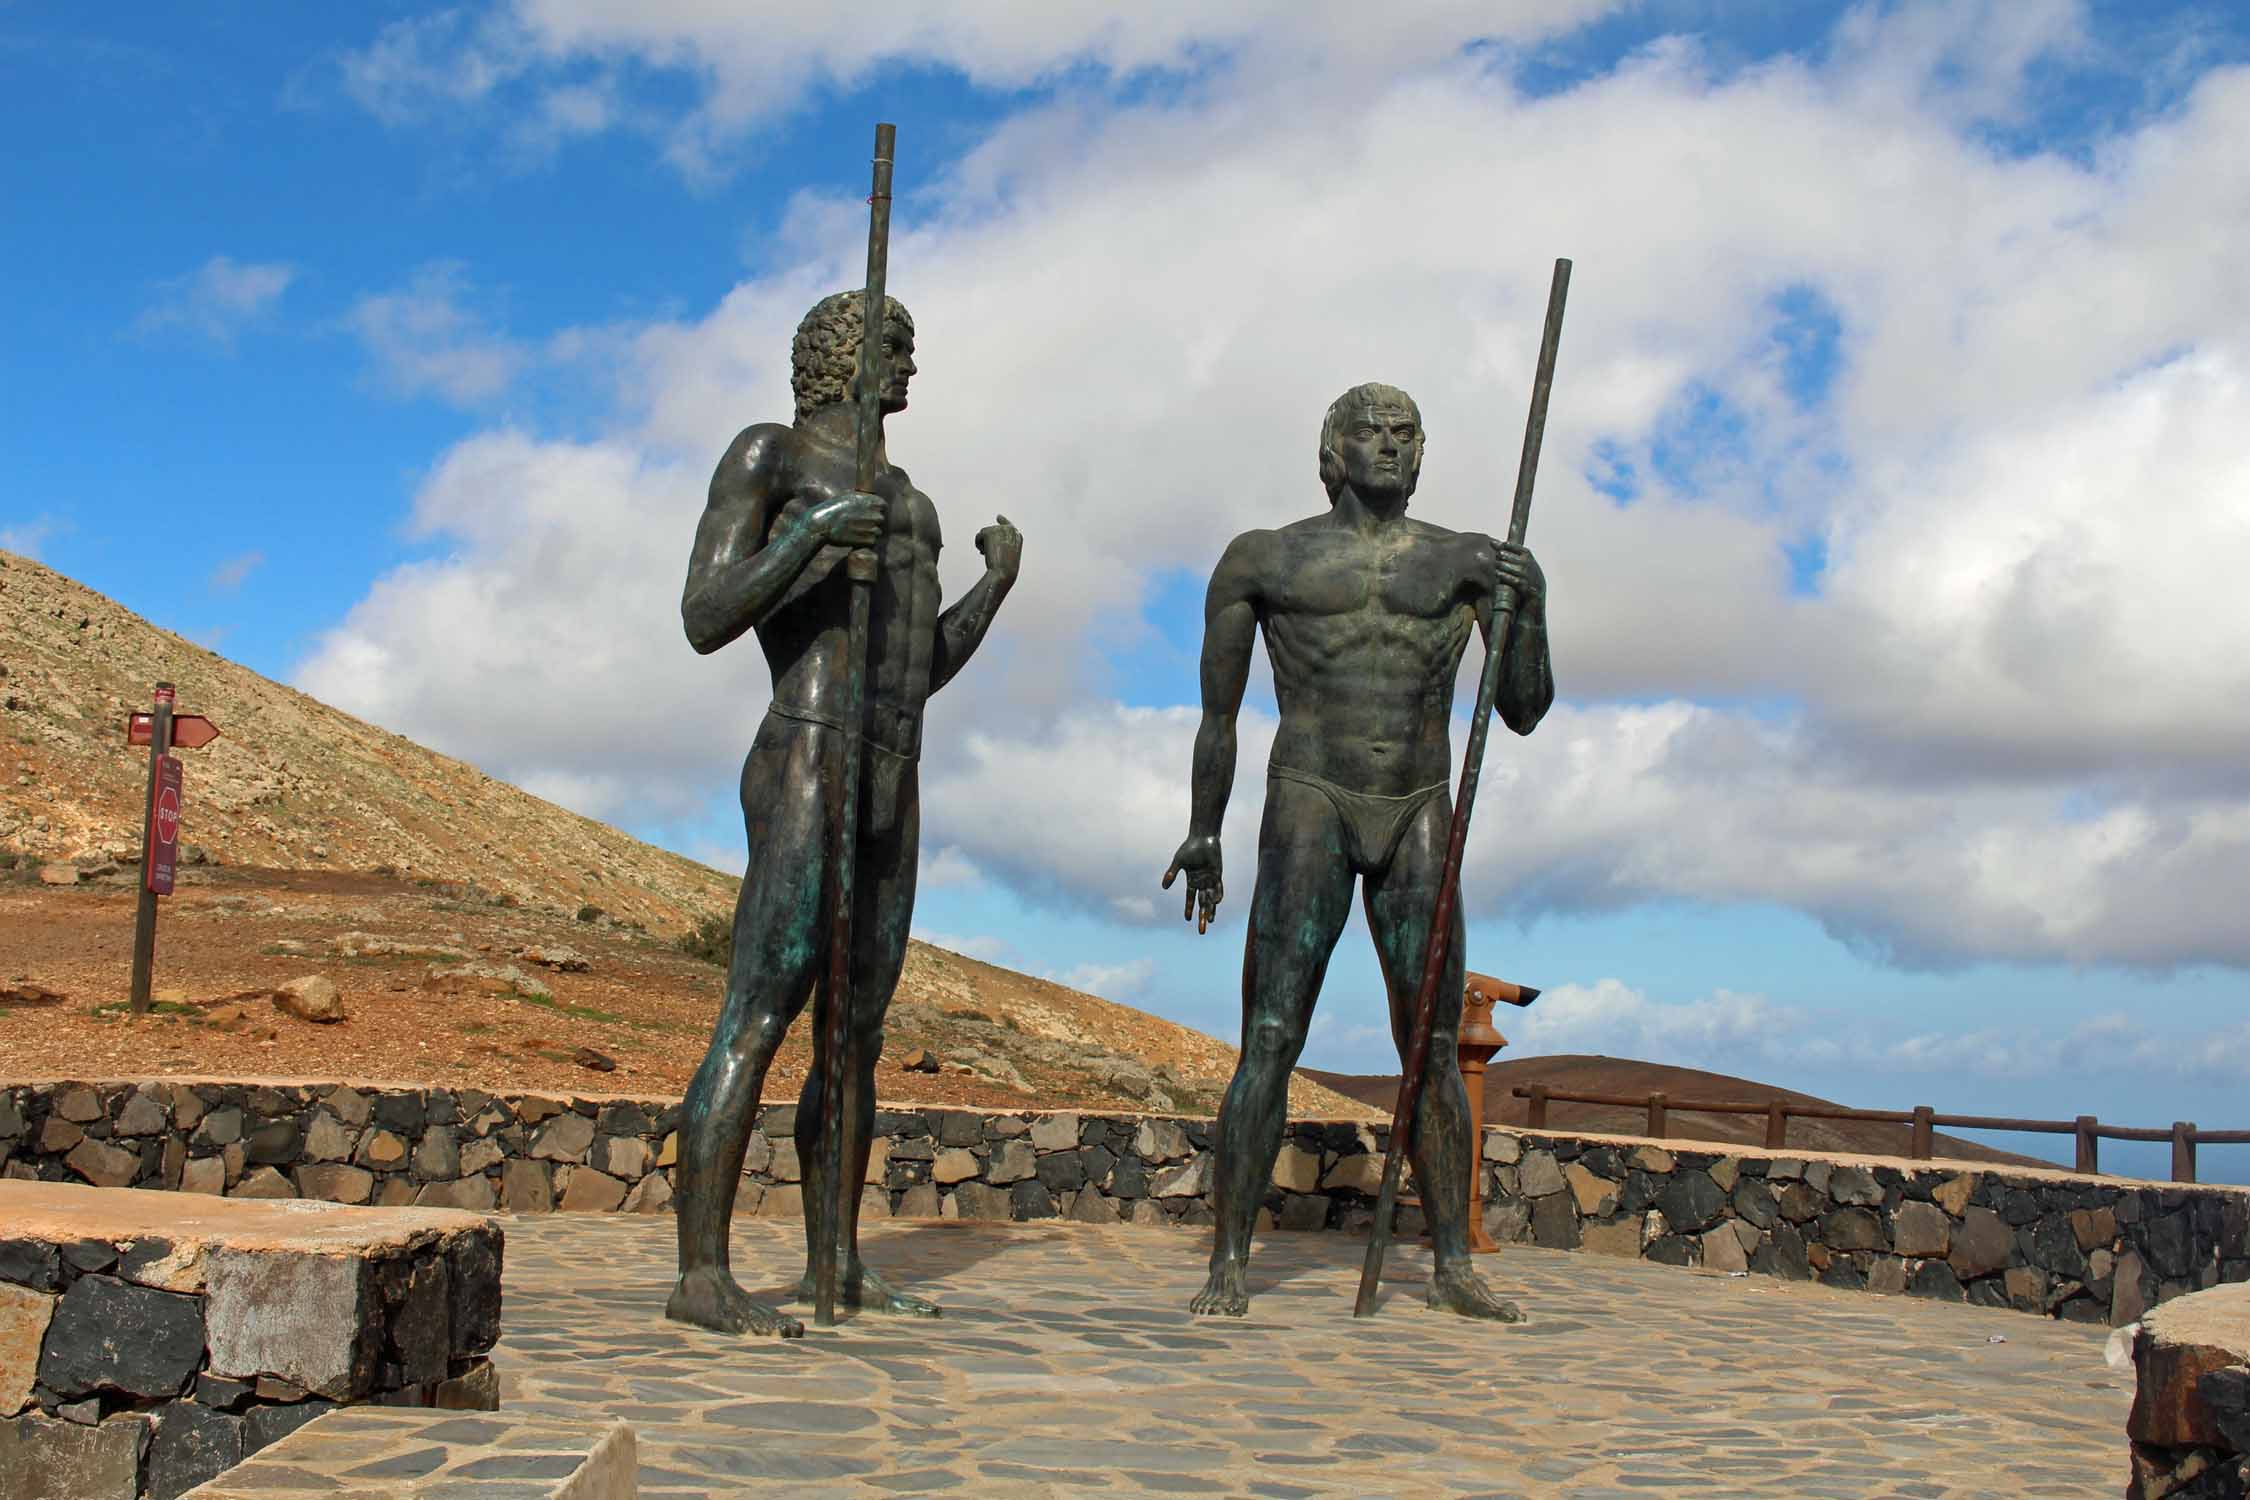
(883, 908)
(776, 947)
(1400, 900)
(1302, 898)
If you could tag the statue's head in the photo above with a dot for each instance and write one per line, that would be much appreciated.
(1372, 439)
(824, 357)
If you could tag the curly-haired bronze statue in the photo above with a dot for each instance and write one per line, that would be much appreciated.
(783, 515)
(1366, 612)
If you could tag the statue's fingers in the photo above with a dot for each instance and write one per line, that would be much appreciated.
(1171, 874)
(1187, 907)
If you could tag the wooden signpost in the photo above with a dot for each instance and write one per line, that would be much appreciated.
(161, 730)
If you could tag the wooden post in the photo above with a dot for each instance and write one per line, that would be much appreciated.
(1656, 1108)
(2089, 1145)
(1479, 1040)
(1920, 1146)
(1535, 1114)
(2183, 1151)
(144, 913)
(1777, 1125)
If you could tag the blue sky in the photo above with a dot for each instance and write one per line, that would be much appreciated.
(1891, 497)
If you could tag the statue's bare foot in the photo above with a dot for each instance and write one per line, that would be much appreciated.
(1457, 1289)
(866, 1289)
(709, 1298)
(1224, 1294)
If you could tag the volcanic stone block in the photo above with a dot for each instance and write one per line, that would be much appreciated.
(24, 1316)
(472, 1262)
(1854, 1186)
(976, 1200)
(564, 1138)
(1554, 1222)
(1012, 1162)
(591, 1192)
(1538, 1174)
(109, 1335)
(1982, 1245)
(1853, 1229)
(1691, 1202)
(104, 1165)
(45, 1459)
(1058, 1132)
(1920, 1229)
(191, 1444)
(300, 1315)
(2180, 1344)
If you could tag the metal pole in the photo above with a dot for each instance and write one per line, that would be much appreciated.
(1449, 882)
(840, 1113)
(144, 912)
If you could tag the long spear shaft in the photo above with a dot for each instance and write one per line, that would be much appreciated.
(839, 1113)
(1449, 883)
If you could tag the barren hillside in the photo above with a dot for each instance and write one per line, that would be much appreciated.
(477, 934)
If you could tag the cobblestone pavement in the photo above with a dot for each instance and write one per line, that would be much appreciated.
(1067, 1364)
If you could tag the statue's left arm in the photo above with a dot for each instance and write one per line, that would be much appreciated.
(1527, 677)
(961, 629)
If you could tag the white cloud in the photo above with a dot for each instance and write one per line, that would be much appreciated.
(425, 339)
(1110, 981)
(219, 299)
(25, 538)
(232, 573)
(985, 947)
(2008, 722)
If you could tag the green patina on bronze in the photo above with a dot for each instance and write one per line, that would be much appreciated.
(786, 510)
(1365, 612)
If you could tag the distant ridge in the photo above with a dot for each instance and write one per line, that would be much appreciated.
(1618, 1075)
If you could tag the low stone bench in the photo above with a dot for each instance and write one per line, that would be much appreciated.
(381, 1452)
(150, 1341)
(2190, 1426)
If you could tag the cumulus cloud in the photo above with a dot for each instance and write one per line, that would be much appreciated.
(425, 339)
(217, 300)
(1993, 397)
(25, 538)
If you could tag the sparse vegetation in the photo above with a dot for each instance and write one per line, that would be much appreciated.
(710, 939)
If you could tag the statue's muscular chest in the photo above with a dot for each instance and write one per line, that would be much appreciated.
(911, 535)
(1392, 607)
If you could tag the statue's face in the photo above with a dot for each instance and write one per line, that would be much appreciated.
(1381, 450)
(899, 366)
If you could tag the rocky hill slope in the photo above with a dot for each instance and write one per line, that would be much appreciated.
(335, 850)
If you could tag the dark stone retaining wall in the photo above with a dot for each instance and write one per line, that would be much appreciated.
(131, 1367)
(2190, 1425)
(2091, 1248)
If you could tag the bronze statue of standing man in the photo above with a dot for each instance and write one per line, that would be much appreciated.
(1366, 612)
(784, 513)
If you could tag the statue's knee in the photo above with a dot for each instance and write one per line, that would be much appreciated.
(1269, 1042)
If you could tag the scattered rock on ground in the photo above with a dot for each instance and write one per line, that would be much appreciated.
(311, 998)
(587, 1057)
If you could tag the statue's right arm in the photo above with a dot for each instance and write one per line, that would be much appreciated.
(738, 572)
(1230, 629)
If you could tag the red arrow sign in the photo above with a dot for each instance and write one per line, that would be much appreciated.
(189, 731)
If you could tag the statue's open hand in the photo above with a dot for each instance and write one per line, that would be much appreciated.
(1002, 546)
(1199, 858)
(1514, 570)
(852, 519)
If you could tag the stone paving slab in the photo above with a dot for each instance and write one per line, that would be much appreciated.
(1067, 1364)
(392, 1453)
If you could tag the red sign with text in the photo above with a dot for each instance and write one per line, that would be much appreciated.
(164, 826)
(189, 731)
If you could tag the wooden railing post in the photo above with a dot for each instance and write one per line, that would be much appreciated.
(1656, 1116)
(2089, 1145)
(1920, 1146)
(1536, 1115)
(1777, 1125)
(2183, 1151)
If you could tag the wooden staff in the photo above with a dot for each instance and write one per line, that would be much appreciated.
(1449, 883)
(839, 1113)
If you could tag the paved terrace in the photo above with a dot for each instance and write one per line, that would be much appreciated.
(1067, 1364)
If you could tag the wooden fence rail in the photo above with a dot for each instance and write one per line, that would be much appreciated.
(1922, 1123)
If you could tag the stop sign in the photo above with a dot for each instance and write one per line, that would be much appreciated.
(164, 826)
